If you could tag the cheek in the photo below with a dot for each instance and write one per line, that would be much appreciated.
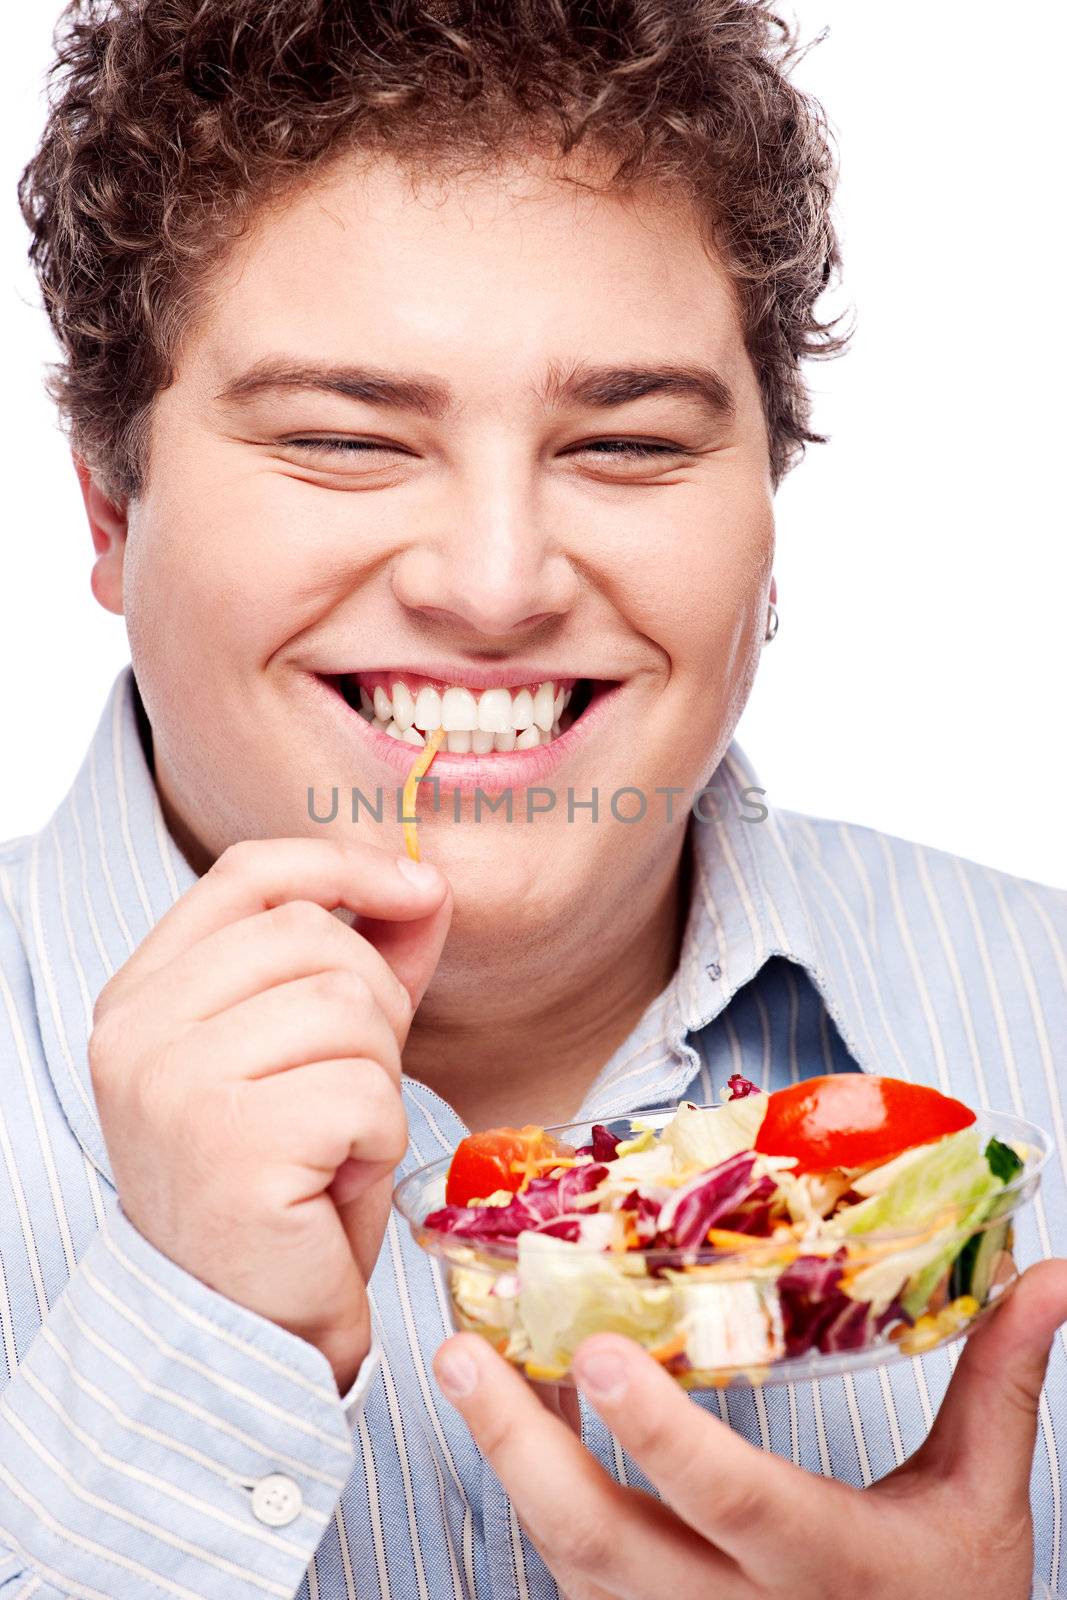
(711, 596)
(183, 597)
(233, 571)
(710, 599)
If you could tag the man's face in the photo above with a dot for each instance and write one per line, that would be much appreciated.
(296, 542)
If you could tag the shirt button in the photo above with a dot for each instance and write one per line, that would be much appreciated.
(276, 1500)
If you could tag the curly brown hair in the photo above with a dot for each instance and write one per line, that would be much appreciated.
(173, 122)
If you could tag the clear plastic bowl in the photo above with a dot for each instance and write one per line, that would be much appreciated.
(487, 1295)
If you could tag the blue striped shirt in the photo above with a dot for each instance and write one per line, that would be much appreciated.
(144, 1417)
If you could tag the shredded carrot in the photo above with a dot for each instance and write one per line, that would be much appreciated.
(530, 1165)
(726, 1239)
(666, 1352)
(434, 741)
(546, 1163)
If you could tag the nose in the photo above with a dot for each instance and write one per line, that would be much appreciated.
(491, 568)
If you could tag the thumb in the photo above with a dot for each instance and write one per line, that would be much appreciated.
(992, 1402)
(413, 948)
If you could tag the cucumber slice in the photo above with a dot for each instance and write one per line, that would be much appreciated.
(972, 1270)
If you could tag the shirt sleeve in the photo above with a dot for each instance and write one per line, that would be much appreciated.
(159, 1439)
(352, 1403)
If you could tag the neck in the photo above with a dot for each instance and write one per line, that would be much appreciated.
(507, 1037)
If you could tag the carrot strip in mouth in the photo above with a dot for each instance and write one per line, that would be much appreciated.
(434, 741)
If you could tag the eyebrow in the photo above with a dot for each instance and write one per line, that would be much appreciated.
(601, 387)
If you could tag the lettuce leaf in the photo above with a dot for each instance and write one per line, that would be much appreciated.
(953, 1173)
(705, 1137)
(878, 1179)
(483, 1298)
(566, 1294)
(954, 1179)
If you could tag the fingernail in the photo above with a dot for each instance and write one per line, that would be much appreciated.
(421, 873)
(457, 1373)
(603, 1375)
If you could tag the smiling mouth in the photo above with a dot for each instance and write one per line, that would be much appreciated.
(406, 707)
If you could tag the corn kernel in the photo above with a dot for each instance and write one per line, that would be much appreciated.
(544, 1374)
(924, 1335)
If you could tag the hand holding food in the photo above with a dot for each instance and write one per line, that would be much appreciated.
(740, 1523)
(246, 1063)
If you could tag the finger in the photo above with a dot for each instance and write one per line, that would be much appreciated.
(411, 949)
(750, 1504)
(321, 1116)
(328, 1016)
(296, 940)
(578, 1587)
(993, 1398)
(345, 1131)
(257, 874)
(587, 1527)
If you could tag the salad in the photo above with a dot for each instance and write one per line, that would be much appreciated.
(844, 1213)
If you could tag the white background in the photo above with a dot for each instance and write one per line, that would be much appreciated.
(917, 681)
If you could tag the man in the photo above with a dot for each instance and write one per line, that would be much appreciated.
(395, 402)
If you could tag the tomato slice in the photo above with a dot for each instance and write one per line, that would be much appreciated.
(498, 1158)
(851, 1119)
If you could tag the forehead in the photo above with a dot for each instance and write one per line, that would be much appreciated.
(499, 268)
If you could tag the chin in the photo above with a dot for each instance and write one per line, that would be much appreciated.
(495, 884)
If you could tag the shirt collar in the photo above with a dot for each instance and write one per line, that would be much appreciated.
(105, 869)
(747, 902)
(756, 892)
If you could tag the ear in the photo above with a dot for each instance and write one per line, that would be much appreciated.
(774, 591)
(107, 523)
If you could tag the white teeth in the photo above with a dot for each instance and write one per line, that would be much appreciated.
(427, 709)
(522, 710)
(495, 720)
(494, 710)
(403, 706)
(542, 706)
(459, 710)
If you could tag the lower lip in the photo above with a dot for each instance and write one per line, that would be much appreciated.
(513, 769)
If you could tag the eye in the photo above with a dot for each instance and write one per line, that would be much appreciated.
(621, 450)
(340, 446)
(633, 448)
